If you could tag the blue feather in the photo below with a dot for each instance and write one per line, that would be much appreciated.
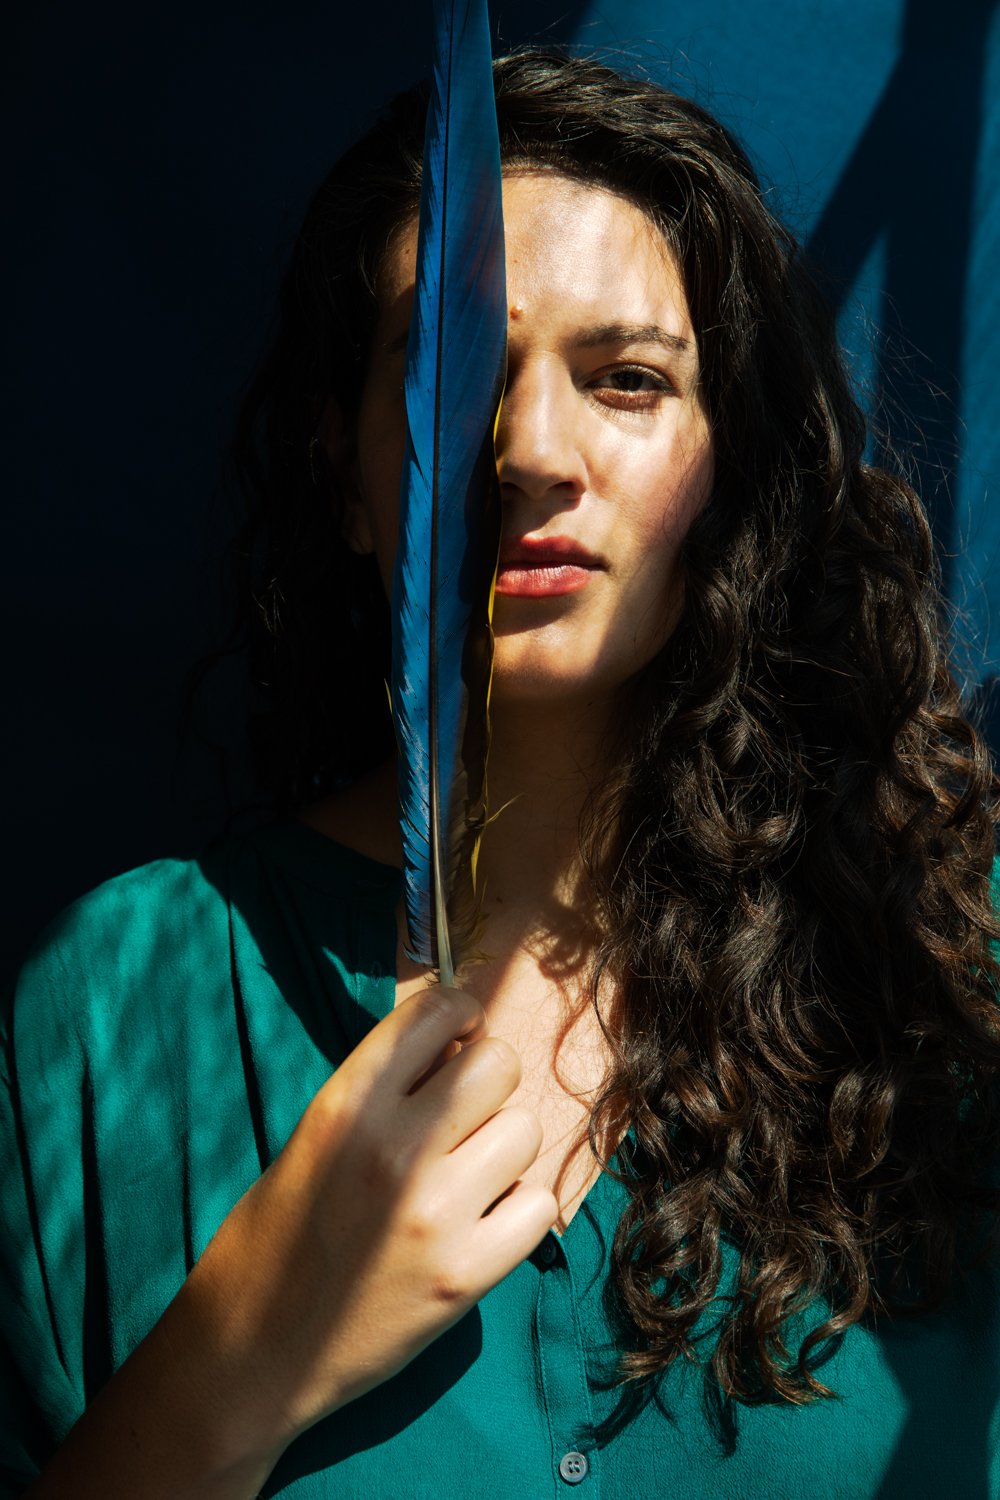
(449, 503)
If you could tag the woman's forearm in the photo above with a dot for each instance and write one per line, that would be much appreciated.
(167, 1426)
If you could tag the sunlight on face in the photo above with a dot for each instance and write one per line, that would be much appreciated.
(603, 450)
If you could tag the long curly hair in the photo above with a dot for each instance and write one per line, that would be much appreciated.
(793, 852)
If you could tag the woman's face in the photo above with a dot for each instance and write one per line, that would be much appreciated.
(603, 448)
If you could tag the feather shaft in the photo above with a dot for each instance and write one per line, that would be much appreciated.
(449, 501)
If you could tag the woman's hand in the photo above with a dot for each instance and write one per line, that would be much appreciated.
(395, 1205)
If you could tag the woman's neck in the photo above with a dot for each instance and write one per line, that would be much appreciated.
(542, 767)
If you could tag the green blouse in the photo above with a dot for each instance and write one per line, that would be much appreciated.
(166, 1034)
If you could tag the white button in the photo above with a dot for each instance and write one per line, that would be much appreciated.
(573, 1467)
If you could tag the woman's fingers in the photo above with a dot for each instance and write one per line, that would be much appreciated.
(511, 1231)
(463, 1093)
(431, 1059)
(494, 1157)
(397, 1052)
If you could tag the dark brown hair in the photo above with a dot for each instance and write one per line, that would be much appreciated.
(796, 881)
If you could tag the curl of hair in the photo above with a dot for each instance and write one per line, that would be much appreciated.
(793, 853)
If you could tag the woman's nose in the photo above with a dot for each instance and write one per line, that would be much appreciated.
(538, 447)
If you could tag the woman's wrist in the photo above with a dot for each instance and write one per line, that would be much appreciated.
(171, 1424)
(220, 1398)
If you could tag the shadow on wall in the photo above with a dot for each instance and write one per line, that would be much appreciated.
(911, 179)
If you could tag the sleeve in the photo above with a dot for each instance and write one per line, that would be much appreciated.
(97, 1121)
(38, 1401)
(24, 1443)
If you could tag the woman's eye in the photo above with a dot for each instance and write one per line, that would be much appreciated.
(631, 386)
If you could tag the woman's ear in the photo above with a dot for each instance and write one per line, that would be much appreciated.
(337, 440)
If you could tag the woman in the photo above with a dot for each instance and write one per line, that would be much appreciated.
(715, 1111)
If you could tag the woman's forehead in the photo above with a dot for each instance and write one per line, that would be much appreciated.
(584, 245)
(573, 251)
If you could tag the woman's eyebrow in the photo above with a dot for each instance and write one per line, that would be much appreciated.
(632, 333)
(590, 338)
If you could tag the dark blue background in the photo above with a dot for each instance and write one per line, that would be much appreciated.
(160, 158)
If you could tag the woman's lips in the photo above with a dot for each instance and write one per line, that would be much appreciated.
(541, 580)
(540, 568)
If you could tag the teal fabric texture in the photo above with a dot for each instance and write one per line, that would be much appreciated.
(165, 1036)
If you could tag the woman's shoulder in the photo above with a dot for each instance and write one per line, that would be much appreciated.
(164, 930)
(113, 926)
(105, 962)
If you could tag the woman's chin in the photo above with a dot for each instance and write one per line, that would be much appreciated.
(549, 690)
(526, 671)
